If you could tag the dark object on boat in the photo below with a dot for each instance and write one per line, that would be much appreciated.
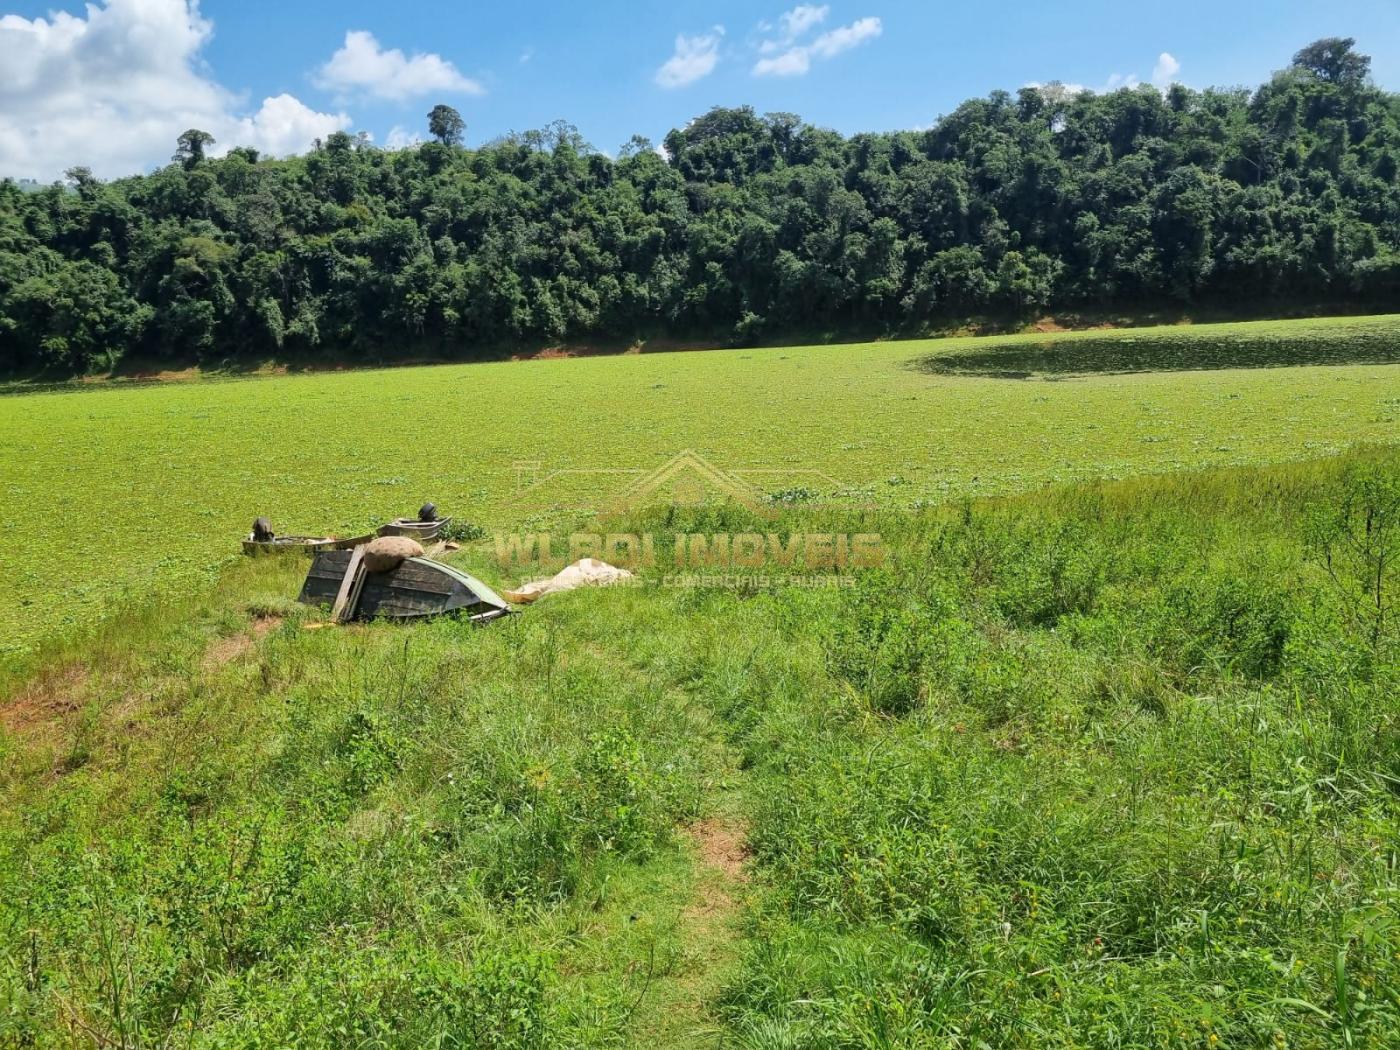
(262, 531)
(427, 512)
(419, 530)
(417, 588)
(300, 544)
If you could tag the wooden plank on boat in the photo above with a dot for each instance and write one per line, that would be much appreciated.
(383, 598)
(350, 583)
(352, 610)
(422, 576)
(323, 578)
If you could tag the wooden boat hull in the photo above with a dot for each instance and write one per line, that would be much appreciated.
(418, 530)
(415, 589)
(302, 544)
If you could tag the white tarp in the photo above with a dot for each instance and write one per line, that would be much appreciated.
(590, 572)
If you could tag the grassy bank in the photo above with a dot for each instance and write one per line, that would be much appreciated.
(132, 370)
(1111, 765)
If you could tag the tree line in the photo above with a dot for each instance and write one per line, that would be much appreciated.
(741, 227)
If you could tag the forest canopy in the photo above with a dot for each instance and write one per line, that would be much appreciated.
(740, 227)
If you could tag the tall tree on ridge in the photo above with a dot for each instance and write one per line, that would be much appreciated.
(446, 125)
(1335, 60)
(189, 147)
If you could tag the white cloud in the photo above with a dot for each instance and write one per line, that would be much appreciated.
(791, 63)
(831, 44)
(802, 18)
(114, 89)
(793, 24)
(797, 60)
(1164, 73)
(401, 138)
(695, 57)
(283, 125)
(362, 66)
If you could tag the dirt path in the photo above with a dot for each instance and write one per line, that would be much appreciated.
(675, 925)
(721, 852)
(679, 1010)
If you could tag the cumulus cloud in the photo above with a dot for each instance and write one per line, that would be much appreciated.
(401, 138)
(282, 125)
(797, 58)
(112, 90)
(1164, 73)
(362, 66)
(695, 57)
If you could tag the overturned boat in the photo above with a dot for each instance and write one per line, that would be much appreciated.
(414, 589)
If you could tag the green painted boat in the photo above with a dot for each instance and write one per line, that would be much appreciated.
(417, 588)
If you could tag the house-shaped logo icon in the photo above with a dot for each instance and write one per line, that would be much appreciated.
(687, 479)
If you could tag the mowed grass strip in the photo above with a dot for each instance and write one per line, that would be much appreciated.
(118, 490)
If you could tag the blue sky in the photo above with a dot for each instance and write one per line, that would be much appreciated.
(111, 85)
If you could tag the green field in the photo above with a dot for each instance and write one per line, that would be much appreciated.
(1104, 755)
(115, 490)
(1109, 766)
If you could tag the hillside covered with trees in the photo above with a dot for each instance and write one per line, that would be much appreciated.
(744, 227)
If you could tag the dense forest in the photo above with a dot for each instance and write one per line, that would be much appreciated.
(742, 227)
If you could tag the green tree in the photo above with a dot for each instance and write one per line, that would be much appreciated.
(75, 318)
(446, 125)
(1335, 60)
(190, 147)
(744, 225)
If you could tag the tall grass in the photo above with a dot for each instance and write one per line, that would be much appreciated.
(1114, 765)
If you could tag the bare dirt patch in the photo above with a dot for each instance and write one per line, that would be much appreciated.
(45, 700)
(721, 845)
(641, 346)
(226, 650)
(681, 1009)
(720, 848)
